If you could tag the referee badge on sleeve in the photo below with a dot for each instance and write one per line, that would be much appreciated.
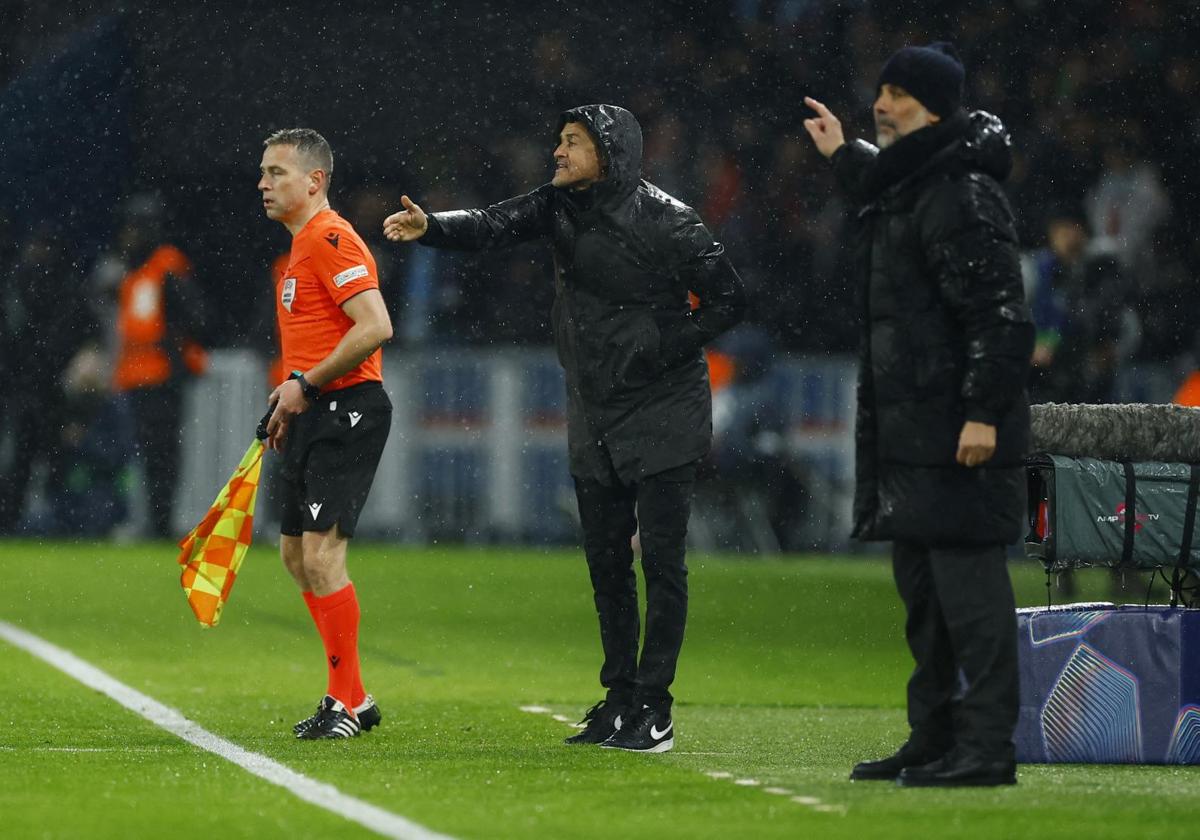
(350, 275)
(289, 293)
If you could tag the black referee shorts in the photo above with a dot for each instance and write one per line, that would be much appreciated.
(330, 458)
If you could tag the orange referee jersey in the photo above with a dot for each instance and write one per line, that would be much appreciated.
(328, 265)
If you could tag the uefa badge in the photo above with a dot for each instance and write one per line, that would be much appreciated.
(289, 293)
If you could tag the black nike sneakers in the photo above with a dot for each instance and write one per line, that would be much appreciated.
(599, 723)
(648, 730)
(332, 720)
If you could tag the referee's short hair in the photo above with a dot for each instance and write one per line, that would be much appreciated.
(310, 145)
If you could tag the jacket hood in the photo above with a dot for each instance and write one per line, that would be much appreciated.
(619, 136)
(986, 145)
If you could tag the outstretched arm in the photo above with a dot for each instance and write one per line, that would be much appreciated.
(508, 223)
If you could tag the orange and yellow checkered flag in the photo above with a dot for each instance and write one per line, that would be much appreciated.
(212, 553)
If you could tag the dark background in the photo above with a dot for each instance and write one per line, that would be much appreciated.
(455, 103)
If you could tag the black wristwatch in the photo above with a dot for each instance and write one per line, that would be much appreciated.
(311, 391)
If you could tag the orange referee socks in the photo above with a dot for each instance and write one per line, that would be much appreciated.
(310, 601)
(336, 617)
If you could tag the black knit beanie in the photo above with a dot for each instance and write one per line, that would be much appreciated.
(933, 74)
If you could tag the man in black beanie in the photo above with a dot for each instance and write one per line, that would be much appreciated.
(943, 416)
(932, 75)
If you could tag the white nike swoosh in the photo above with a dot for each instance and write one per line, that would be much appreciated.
(658, 736)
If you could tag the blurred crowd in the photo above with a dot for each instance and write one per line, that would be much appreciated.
(1099, 98)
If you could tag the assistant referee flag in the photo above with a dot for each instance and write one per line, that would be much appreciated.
(212, 552)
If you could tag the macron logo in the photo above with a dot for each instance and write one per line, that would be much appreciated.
(350, 275)
(315, 509)
(355, 416)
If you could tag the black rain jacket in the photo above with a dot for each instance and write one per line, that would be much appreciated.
(626, 255)
(946, 336)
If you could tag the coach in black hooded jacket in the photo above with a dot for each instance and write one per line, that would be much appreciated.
(639, 412)
(943, 418)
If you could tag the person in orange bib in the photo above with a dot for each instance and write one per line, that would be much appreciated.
(160, 314)
(331, 417)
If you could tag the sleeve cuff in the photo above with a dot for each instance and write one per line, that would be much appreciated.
(433, 235)
(977, 413)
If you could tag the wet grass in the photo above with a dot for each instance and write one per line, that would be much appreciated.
(792, 671)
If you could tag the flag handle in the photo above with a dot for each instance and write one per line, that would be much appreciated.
(261, 431)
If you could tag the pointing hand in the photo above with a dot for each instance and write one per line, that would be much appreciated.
(825, 129)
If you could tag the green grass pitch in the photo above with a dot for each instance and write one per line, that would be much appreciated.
(792, 671)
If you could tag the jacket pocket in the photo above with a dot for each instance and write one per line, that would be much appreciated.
(630, 356)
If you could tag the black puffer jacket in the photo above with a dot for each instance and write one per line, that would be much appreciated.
(946, 334)
(626, 255)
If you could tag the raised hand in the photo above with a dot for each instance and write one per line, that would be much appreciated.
(407, 225)
(825, 129)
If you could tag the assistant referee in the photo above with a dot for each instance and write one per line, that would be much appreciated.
(332, 417)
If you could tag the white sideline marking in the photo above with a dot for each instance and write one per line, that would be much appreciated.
(316, 793)
(810, 801)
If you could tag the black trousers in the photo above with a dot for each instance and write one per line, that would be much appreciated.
(962, 631)
(156, 415)
(610, 514)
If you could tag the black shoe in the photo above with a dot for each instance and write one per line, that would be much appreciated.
(888, 769)
(310, 720)
(599, 723)
(367, 712)
(332, 721)
(960, 768)
(649, 730)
